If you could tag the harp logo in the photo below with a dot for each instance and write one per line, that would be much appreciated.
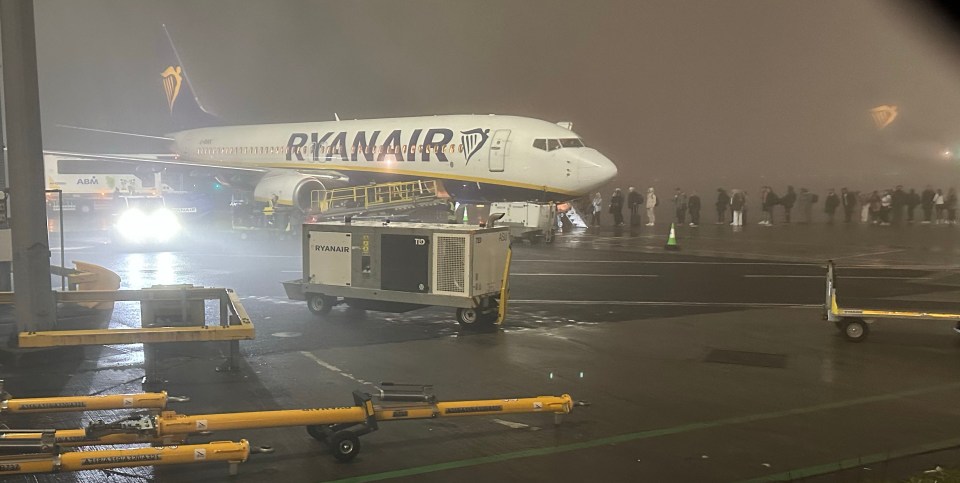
(473, 140)
(884, 115)
(172, 79)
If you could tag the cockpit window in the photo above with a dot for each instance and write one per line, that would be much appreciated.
(554, 144)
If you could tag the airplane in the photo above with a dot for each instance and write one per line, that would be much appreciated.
(477, 158)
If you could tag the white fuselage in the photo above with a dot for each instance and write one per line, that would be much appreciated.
(495, 157)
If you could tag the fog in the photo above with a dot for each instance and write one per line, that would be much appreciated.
(696, 94)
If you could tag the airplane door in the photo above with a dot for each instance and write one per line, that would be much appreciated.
(498, 149)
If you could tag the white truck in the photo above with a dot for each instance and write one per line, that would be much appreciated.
(90, 185)
(535, 222)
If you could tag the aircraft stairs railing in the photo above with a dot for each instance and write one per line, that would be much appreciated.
(374, 198)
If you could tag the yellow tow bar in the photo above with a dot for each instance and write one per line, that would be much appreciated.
(149, 400)
(50, 460)
(340, 427)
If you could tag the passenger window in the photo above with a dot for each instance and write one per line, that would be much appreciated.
(540, 144)
(553, 144)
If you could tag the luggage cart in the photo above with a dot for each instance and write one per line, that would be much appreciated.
(853, 323)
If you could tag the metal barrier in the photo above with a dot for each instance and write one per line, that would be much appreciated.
(233, 326)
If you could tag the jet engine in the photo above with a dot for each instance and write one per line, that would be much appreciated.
(293, 189)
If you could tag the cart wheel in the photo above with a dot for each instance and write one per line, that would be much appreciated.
(317, 432)
(855, 330)
(319, 303)
(345, 445)
(468, 317)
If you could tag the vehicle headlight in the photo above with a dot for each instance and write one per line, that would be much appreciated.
(164, 224)
(137, 227)
(132, 225)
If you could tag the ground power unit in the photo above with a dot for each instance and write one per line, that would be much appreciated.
(397, 267)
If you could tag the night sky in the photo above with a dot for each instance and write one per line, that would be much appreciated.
(698, 94)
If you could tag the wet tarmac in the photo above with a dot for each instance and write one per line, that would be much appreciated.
(708, 364)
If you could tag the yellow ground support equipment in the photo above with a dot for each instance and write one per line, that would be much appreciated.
(147, 400)
(852, 322)
(404, 266)
(174, 304)
(93, 277)
(36, 452)
(234, 323)
(339, 427)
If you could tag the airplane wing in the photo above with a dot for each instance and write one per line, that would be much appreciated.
(161, 159)
(174, 160)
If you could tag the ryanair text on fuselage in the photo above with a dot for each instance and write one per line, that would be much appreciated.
(331, 145)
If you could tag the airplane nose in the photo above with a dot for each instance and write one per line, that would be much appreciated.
(596, 170)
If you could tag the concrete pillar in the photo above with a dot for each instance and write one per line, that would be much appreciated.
(35, 306)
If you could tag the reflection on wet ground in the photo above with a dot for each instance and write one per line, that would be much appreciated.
(609, 318)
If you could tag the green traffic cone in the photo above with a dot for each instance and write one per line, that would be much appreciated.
(672, 240)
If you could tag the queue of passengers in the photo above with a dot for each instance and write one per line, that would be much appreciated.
(887, 207)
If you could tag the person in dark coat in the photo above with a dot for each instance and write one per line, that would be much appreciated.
(616, 207)
(898, 200)
(913, 199)
(788, 201)
(831, 204)
(680, 206)
(737, 203)
(693, 204)
(848, 200)
(926, 202)
(768, 200)
(723, 201)
(634, 200)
